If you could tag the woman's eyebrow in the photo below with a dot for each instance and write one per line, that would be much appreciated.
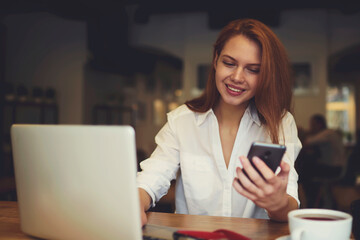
(229, 57)
(233, 59)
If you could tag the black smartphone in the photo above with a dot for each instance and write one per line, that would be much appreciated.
(270, 153)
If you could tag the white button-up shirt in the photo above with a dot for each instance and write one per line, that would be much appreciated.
(189, 149)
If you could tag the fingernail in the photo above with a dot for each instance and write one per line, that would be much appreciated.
(256, 160)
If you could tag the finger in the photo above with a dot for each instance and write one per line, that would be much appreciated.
(247, 184)
(285, 169)
(253, 175)
(240, 189)
(266, 172)
(240, 171)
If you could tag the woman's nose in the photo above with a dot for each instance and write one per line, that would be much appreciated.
(238, 75)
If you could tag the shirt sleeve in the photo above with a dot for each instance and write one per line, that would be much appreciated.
(162, 166)
(289, 137)
(319, 138)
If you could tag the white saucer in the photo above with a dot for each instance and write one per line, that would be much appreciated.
(287, 237)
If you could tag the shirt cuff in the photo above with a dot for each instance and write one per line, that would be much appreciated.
(290, 191)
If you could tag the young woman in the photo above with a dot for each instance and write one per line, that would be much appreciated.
(204, 143)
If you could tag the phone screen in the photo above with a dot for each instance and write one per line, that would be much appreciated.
(270, 153)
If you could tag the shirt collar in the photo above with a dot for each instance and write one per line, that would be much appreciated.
(250, 110)
(201, 117)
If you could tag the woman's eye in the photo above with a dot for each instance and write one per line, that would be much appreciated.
(254, 70)
(228, 64)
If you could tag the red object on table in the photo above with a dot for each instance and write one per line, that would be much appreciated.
(218, 234)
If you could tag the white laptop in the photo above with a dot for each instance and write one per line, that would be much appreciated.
(76, 181)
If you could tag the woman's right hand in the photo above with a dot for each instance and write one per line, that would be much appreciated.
(145, 201)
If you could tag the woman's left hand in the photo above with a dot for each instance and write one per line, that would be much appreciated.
(269, 191)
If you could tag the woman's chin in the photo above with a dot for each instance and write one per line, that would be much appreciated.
(234, 103)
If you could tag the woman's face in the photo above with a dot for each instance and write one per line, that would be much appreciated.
(237, 71)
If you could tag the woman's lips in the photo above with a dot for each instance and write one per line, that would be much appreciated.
(233, 90)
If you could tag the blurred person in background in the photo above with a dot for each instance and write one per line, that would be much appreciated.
(322, 156)
(329, 143)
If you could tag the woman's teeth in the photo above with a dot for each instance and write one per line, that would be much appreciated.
(234, 89)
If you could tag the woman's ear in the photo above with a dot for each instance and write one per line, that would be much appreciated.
(215, 61)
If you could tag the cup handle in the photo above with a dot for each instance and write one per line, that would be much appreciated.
(296, 234)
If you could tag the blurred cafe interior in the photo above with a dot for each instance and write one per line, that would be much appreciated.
(130, 62)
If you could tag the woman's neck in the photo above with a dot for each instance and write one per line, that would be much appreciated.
(228, 114)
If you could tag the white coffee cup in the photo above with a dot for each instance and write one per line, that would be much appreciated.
(319, 224)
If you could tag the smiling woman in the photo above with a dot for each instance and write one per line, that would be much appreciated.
(247, 98)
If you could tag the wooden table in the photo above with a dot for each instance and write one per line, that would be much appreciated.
(252, 228)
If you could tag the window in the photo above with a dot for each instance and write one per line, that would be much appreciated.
(340, 111)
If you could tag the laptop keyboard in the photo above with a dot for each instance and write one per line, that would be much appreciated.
(152, 238)
(156, 232)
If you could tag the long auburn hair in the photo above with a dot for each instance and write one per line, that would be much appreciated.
(274, 93)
